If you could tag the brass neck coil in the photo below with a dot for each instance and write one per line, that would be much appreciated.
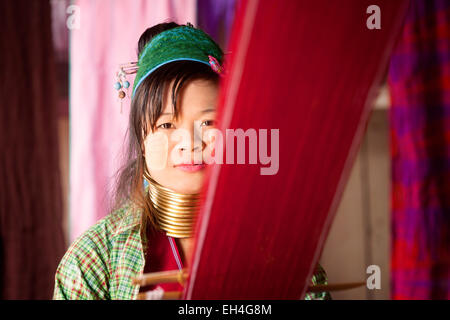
(175, 212)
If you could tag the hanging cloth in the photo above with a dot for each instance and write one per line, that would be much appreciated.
(307, 72)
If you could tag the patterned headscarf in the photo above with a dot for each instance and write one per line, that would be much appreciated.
(184, 43)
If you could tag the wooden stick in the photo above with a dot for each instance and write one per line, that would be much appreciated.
(176, 295)
(161, 277)
(181, 276)
(335, 287)
(168, 295)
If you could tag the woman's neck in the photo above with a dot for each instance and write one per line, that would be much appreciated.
(174, 212)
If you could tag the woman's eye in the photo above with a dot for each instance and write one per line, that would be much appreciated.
(208, 123)
(166, 125)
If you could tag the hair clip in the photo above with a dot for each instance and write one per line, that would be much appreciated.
(121, 80)
(215, 65)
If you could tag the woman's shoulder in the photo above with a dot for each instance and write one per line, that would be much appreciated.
(84, 269)
(101, 235)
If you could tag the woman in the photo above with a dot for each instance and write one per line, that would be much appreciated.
(173, 107)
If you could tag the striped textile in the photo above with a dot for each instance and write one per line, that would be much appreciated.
(419, 80)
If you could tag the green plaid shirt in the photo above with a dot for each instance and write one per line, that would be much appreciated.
(101, 263)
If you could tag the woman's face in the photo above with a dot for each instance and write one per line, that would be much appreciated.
(175, 152)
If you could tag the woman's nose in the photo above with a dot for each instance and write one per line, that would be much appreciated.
(196, 146)
(196, 139)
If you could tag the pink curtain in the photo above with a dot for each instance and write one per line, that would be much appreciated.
(107, 36)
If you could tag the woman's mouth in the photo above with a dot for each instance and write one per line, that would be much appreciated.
(190, 167)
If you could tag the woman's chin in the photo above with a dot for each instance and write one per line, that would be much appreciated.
(181, 181)
(192, 186)
(187, 182)
(186, 190)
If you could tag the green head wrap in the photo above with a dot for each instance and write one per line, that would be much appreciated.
(184, 43)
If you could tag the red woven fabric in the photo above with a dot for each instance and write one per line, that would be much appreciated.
(306, 68)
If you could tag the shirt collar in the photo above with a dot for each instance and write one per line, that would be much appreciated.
(131, 219)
